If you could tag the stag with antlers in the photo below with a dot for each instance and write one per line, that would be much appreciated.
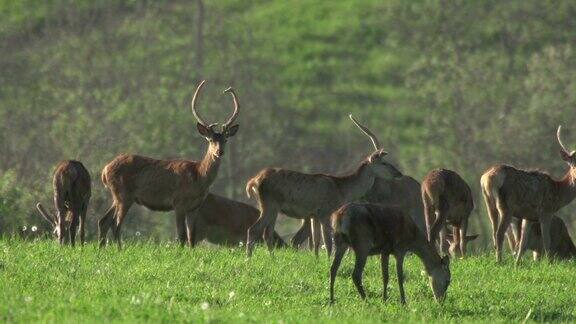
(316, 196)
(165, 185)
(533, 196)
(71, 183)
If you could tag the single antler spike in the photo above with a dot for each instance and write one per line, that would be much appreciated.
(45, 214)
(558, 133)
(194, 98)
(366, 131)
(236, 108)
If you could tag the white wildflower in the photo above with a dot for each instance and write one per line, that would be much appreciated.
(241, 244)
(28, 299)
(34, 228)
(24, 228)
(137, 233)
(204, 306)
(231, 295)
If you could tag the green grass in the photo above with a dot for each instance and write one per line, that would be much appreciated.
(39, 281)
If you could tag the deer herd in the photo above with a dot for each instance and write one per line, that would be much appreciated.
(374, 210)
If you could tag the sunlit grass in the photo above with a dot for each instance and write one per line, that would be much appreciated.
(41, 281)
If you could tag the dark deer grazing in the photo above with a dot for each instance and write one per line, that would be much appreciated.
(72, 192)
(562, 246)
(164, 185)
(530, 195)
(371, 229)
(447, 199)
(225, 221)
(316, 196)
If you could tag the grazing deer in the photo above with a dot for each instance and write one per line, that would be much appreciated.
(403, 192)
(315, 196)
(532, 195)
(562, 246)
(371, 229)
(225, 221)
(164, 185)
(72, 192)
(447, 199)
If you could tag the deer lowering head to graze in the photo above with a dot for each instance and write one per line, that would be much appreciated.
(72, 192)
(374, 229)
(164, 185)
(316, 196)
(403, 192)
(561, 245)
(225, 221)
(447, 200)
(530, 195)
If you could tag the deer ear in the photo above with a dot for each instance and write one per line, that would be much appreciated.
(203, 130)
(231, 131)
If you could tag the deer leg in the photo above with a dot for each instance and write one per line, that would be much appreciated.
(400, 275)
(524, 237)
(545, 224)
(269, 237)
(503, 224)
(429, 215)
(327, 235)
(181, 226)
(492, 213)
(462, 229)
(121, 211)
(442, 240)
(61, 208)
(256, 231)
(361, 257)
(104, 224)
(301, 235)
(74, 225)
(339, 254)
(316, 235)
(191, 226)
(384, 259)
(83, 212)
(513, 235)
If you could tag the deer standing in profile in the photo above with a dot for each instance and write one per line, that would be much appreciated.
(72, 190)
(165, 185)
(372, 229)
(533, 196)
(316, 196)
(225, 221)
(447, 199)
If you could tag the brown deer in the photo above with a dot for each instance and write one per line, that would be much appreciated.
(403, 192)
(531, 195)
(447, 199)
(71, 183)
(562, 246)
(372, 229)
(225, 221)
(316, 196)
(165, 185)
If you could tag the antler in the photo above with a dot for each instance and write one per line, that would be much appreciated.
(366, 131)
(200, 120)
(236, 108)
(560, 141)
(45, 214)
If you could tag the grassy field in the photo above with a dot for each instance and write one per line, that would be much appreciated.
(39, 281)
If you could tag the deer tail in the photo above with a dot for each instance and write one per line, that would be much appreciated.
(252, 187)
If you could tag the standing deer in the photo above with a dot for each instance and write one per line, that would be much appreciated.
(72, 192)
(447, 200)
(371, 229)
(164, 185)
(531, 195)
(225, 221)
(316, 196)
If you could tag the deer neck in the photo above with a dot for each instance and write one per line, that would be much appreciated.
(208, 167)
(427, 253)
(566, 189)
(355, 185)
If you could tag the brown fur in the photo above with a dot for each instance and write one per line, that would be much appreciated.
(562, 246)
(72, 191)
(532, 195)
(225, 221)
(164, 185)
(447, 200)
(371, 229)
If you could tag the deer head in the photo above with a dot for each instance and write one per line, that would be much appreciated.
(440, 279)
(216, 140)
(453, 245)
(59, 231)
(376, 160)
